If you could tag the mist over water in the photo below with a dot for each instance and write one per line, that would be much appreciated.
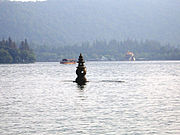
(41, 98)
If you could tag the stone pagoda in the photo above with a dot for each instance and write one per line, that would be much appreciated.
(81, 71)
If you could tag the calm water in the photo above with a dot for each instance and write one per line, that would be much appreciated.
(41, 99)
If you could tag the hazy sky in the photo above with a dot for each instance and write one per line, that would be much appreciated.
(27, 0)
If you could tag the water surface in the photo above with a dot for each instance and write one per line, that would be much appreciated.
(41, 99)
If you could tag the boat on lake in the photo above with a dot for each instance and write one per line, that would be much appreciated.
(68, 61)
(130, 56)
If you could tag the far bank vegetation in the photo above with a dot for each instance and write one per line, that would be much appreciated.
(10, 52)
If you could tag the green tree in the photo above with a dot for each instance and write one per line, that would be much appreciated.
(11, 54)
(5, 57)
(26, 54)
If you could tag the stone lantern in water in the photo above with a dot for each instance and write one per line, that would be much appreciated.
(81, 71)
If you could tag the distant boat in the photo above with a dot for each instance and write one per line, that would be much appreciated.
(131, 56)
(68, 61)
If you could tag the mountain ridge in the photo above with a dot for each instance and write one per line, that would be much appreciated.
(65, 22)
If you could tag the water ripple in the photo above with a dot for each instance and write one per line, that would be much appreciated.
(41, 99)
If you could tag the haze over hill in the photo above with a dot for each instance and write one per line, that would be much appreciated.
(60, 22)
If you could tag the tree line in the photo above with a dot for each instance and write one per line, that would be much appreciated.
(109, 50)
(10, 52)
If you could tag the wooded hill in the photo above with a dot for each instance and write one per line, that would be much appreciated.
(64, 22)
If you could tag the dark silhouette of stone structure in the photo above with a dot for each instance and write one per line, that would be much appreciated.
(81, 71)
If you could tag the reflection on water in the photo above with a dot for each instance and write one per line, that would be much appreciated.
(120, 98)
(81, 87)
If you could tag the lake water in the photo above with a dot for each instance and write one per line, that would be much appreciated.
(41, 99)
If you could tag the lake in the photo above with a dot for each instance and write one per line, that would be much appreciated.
(122, 98)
